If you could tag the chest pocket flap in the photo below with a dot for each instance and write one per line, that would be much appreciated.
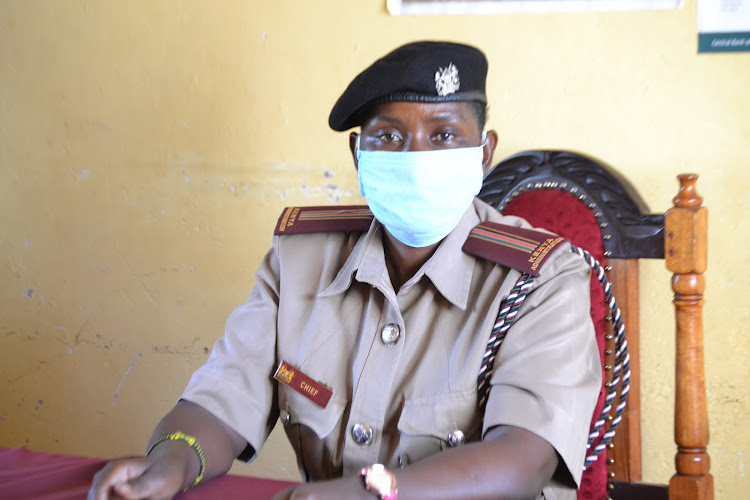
(302, 410)
(440, 416)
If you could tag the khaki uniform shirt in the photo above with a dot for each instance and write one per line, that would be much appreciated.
(320, 303)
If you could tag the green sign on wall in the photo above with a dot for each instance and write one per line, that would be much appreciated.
(724, 42)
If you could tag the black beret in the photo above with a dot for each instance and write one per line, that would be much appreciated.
(416, 72)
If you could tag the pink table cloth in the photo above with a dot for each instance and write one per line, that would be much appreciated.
(35, 475)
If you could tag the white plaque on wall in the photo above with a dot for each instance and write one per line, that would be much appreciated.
(723, 25)
(434, 7)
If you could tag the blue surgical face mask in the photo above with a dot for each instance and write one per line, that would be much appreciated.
(420, 196)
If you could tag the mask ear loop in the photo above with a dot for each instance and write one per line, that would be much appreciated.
(484, 143)
(359, 172)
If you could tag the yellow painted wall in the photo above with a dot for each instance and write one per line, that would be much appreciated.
(146, 149)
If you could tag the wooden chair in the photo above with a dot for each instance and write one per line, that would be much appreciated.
(596, 208)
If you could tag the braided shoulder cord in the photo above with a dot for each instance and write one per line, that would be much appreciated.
(621, 371)
(507, 315)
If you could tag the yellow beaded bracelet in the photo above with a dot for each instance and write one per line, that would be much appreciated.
(179, 436)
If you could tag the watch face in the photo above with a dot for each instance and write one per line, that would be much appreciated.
(380, 481)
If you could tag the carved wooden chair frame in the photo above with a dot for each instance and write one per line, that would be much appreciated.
(629, 232)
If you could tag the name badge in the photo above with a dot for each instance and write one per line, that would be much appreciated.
(312, 390)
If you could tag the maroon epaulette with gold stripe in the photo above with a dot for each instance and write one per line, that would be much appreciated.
(522, 249)
(339, 218)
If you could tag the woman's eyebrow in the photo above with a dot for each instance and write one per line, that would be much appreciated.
(385, 118)
(446, 117)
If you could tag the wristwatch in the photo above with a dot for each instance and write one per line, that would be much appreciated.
(380, 481)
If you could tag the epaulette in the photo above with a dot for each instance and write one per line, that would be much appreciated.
(522, 249)
(340, 218)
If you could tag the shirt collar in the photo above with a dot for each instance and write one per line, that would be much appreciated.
(367, 260)
(449, 268)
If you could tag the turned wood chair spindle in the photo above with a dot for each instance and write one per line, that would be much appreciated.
(685, 253)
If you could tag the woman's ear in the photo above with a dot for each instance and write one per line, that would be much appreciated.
(353, 147)
(489, 151)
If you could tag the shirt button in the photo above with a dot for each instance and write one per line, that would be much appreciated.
(285, 417)
(456, 438)
(362, 434)
(390, 333)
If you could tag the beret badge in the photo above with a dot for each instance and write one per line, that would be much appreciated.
(446, 80)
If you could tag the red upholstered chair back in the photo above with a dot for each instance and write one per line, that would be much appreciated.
(596, 209)
(564, 214)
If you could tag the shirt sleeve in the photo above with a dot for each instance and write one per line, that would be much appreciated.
(236, 383)
(547, 374)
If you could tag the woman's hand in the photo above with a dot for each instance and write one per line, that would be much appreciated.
(172, 465)
(161, 475)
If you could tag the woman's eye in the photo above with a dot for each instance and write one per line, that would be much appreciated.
(444, 136)
(386, 137)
